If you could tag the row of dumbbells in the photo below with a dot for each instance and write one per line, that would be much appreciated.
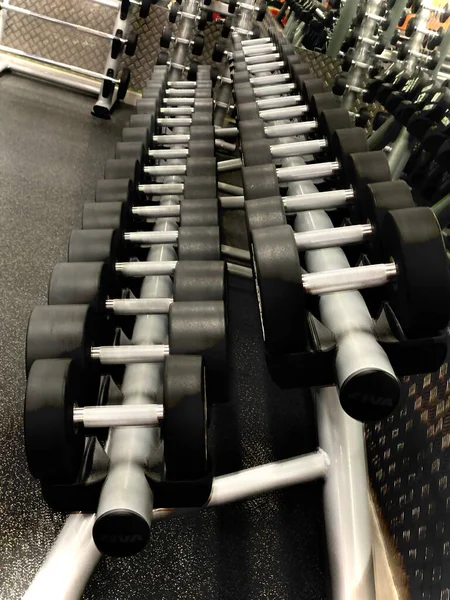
(361, 53)
(380, 218)
(143, 288)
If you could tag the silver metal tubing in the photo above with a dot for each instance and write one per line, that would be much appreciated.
(262, 59)
(290, 129)
(139, 306)
(172, 138)
(354, 278)
(54, 63)
(166, 153)
(156, 211)
(69, 564)
(240, 271)
(164, 170)
(298, 148)
(126, 355)
(161, 188)
(232, 253)
(317, 200)
(266, 478)
(229, 165)
(224, 132)
(305, 172)
(289, 112)
(400, 153)
(270, 79)
(119, 416)
(273, 90)
(147, 268)
(174, 121)
(73, 558)
(230, 189)
(278, 102)
(231, 202)
(82, 28)
(151, 237)
(330, 238)
(272, 66)
(346, 500)
(222, 145)
(176, 110)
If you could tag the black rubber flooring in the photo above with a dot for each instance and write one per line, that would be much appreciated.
(51, 153)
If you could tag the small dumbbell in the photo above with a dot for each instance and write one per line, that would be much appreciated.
(228, 27)
(144, 8)
(119, 43)
(380, 18)
(378, 44)
(430, 60)
(434, 37)
(260, 10)
(348, 62)
(283, 288)
(57, 420)
(196, 45)
(98, 284)
(195, 328)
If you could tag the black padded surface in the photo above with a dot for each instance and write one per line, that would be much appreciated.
(51, 153)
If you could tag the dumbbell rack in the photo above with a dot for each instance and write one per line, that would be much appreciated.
(15, 60)
(340, 460)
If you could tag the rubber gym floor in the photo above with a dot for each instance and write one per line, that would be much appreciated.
(51, 154)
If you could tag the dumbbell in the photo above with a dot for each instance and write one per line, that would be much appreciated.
(110, 81)
(99, 285)
(259, 10)
(377, 44)
(119, 43)
(228, 27)
(194, 186)
(367, 202)
(431, 60)
(434, 37)
(380, 18)
(57, 420)
(257, 150)
(196, 45)
(418, 292)
(193, 243)
(348, 62)
(76, 331)
(353, 165)
(121, 215)
(144, 8)
(202, 19)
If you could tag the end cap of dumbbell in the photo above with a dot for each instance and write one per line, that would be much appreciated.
(121, 533)
(370, 395)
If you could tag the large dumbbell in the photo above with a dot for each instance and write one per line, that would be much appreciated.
(57, 419)
(417, 291)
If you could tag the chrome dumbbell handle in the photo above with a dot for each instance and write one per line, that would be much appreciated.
(118, 416)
